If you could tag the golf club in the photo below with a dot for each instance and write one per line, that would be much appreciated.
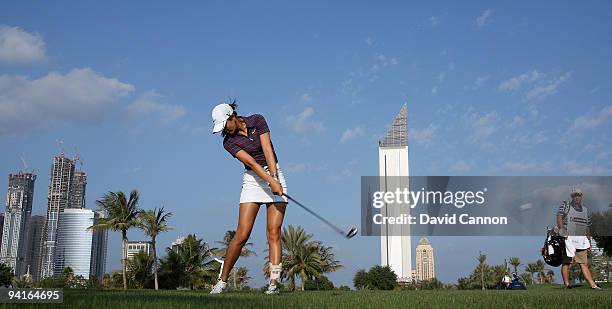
(351, 232)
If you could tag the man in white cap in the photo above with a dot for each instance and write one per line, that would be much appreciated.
(574, 219)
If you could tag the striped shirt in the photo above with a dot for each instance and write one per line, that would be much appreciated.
(256, 125)
(564, 210)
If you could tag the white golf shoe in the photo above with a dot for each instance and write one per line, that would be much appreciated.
(219, 287)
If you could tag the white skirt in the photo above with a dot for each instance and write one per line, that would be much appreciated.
(256, 190)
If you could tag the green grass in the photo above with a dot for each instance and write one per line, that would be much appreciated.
(545, 296)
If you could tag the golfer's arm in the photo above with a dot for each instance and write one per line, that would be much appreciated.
(246, 158)
(266, 145)
(559, 220)
(588, 233)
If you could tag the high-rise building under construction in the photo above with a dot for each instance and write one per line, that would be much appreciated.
(19, 200)
(58, 199)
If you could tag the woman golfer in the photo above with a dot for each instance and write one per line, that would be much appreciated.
(247, 138)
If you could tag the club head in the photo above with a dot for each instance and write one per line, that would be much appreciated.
(352, 232)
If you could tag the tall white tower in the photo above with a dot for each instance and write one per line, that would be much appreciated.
(395, 248)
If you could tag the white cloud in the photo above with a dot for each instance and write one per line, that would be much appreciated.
(370, 41)
(423, 136)
(517, 121)
(539, 85)
(530, 138)
(585, 169)
(149, 103)
(295, 168)
(591, 121)
(350, 134)
(434, 20)
(547, 88)
(19, 46)
(385, 61)
(482, 126)
(80, 96)
(517, 82)
(303, 123)
(484, 19)
(434, 89)
(479, 81)
(461, 167)
(527, 166)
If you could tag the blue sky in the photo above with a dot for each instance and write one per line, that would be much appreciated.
(504, 89)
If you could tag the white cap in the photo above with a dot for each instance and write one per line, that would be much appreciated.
(575, 191)
(220, 114)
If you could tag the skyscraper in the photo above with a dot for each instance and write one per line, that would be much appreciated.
(74, 241)
(19, 199)
(77, 190)
(425, 266)
(2, 227)
(98, 249)
(35, 231)
(58, 198)
(395, 250)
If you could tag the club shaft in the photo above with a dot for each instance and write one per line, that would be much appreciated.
(316, 215)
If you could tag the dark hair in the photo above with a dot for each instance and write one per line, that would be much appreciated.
(231, 102)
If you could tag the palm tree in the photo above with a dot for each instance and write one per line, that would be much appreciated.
(541, 267)
(303, 257)
(139, 267)
(193, 254)
(531, 268)
(328, 259)
(122, 215)
(550, 276)
(241, 276)
(227, 238)
(516, 262)
(482, 258)
(153, 222)
(245, 252)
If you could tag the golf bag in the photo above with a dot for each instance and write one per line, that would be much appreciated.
(554, 245)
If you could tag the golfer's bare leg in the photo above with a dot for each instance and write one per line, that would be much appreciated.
(246, 218)
(587, 274)
(565, 274)
(276, 214)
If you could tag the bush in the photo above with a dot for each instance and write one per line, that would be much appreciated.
(377, 278)
(320, 283)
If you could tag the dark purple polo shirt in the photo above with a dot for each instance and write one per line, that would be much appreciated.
(256, 125)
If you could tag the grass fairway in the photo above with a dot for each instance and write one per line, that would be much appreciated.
(546, 296)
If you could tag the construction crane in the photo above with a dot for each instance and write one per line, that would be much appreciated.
(25, 165)
(60, 145)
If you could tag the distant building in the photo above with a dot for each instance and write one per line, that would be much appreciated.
(395, 247)
(425, 266)
(77, 190)
(1, 227)
(35, 228)
(98, 249)
(58, 199)
(133, 247)
(19, 199)
(74, 241)
(175, 244)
